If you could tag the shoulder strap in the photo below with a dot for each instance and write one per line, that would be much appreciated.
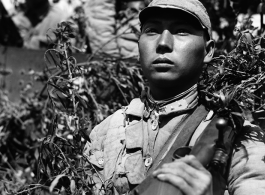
(186, 128)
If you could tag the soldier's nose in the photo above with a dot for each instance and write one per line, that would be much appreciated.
(165, 42)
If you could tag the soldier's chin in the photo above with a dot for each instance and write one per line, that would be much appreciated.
(165, 80)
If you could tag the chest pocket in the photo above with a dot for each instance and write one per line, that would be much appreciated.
(130, 168)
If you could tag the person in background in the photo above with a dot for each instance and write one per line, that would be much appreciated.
(60, 10)
(35, 17)
(113, 31)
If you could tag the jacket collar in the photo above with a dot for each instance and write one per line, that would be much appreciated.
(137, 106)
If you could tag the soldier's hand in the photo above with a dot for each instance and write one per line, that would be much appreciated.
(188, 175)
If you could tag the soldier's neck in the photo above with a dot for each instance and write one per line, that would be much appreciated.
(167, 93)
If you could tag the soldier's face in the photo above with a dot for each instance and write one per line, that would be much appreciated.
(172, 48)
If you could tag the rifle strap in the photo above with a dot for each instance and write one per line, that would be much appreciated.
(186, 128)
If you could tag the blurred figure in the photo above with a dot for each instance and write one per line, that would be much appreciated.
(28, 13)
(128, 28)
(9, 33)
(113, 26)
(251, 21)
(60, 10)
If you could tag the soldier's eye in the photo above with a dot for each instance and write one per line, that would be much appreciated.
(150, 31)
(182, 31)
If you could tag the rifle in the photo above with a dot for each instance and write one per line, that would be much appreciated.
(212, 150)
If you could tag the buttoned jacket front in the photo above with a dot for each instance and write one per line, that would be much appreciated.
(118, 146)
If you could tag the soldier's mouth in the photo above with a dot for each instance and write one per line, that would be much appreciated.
(163, 60)
(162, 64)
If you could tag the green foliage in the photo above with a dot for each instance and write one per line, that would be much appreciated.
(234, 84)
(21, 127)
(81, 95)
(43, 137)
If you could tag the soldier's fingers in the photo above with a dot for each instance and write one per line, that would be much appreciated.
(193, 176)
(191, 168)
(177, 182)
(193, 161)
(186, 183)
(177, 172)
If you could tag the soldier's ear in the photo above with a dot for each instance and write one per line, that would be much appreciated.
(209, 51)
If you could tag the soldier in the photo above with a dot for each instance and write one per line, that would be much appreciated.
(174, 44)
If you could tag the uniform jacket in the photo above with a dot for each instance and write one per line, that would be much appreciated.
(120, 147)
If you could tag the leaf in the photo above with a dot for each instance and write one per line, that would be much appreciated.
(62, 102)
(72, 186)
(36, 154)
(64, 92)
(52, 57)
(55, 182)
(81, 100)
(221, 69)
(21, 161)
(71, 35)
(237, 114)
(48, 170)
(222, 96)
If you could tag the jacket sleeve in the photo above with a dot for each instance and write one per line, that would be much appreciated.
(247, 170)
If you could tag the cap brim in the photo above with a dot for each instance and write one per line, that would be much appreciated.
(149, 11)
(145, 13)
